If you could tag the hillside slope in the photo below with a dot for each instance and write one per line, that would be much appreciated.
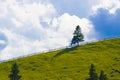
(69, 64)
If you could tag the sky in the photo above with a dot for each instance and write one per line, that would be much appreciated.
(30, 26)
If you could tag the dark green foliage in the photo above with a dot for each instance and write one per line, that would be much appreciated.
(103, 76)
(14, 73)
(92, 73)
(78, 36)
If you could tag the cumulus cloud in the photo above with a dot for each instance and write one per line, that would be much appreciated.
(34, 27)
(2, 42)
(16, 22)
(22, 27)
(106, 18)
(19, 45)
(110, 5)
(67, 24)
(3, 9)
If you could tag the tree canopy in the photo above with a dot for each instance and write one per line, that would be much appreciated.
(78, 36)
(14, 72)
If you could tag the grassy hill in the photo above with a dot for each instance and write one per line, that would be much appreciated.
(69, 64)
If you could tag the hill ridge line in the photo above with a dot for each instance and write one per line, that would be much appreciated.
(55, 49)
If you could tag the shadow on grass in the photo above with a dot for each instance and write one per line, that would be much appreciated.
(66, 50)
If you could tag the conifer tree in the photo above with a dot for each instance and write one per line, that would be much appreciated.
(14, 73)
(78, 36)
(103, 76)
(92, 73)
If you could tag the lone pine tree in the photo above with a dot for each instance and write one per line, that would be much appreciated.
(78, 36)
(14, 72)
(92, 73)
(103, 76)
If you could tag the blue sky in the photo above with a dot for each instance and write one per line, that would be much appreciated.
(29, 26)
(74, 7)
(107, 24)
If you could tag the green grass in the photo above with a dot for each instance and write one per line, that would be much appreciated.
(69, 64)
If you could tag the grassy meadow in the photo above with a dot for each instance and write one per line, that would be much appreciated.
(70, 63)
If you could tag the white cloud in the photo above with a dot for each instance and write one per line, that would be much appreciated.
(29, 35)
(26, 32)
(19, 45)
(111, 5)
(67, 24)
(3, 9)
(2, 42)
(16, 22)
